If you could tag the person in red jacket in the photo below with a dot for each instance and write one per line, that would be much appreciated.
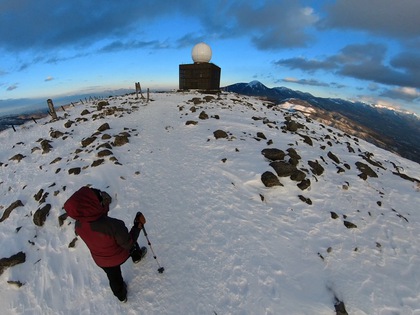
(108, 239)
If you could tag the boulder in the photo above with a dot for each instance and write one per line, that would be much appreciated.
(41, 214)
(283, 169)
(273, 154)
(270, 180)
(218, 134)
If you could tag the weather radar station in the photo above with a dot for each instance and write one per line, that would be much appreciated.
(202, 74)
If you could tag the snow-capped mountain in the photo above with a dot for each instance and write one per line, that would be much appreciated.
(390, 129)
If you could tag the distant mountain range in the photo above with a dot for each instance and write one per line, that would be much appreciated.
(389, 129)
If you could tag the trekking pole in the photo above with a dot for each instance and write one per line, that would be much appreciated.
(161, 269)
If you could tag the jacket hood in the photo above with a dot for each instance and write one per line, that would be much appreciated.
(84, 206)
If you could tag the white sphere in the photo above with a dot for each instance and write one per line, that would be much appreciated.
(201, 53)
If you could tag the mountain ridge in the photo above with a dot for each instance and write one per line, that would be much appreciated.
(393, 130)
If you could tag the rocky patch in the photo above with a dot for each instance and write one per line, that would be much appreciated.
(11, 261)
(10, 208)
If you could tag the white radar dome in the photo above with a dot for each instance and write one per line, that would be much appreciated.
(201, 53)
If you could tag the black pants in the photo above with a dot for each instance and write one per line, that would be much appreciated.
(116, 281)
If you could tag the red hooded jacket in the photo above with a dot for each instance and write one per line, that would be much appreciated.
(107, 238)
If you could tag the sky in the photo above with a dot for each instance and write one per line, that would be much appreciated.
(357, 50)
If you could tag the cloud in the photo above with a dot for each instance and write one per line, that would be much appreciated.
(49, 78)
(276, 24)
(47, 25)
(118, 45)
(312, 82)
(12, 87)
(364, 62)
(402, 93)
(390, 18)
(308, 65)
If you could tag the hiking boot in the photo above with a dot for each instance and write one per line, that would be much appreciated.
(124, 300)
(138, 254)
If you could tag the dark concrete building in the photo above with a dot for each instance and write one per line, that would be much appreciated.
(202, 76)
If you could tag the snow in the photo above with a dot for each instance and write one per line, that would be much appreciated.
(228, 244)
(297, 107)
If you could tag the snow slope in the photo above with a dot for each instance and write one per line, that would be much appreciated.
(229, 244)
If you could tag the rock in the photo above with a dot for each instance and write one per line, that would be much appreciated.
(97, 162)
(73, 242)
(366, 170)
(38, 195)
(307, 139)
(46, 147)
(273, 154)
(104, 127)
(40, 215)
(406, 177)
(87, 141)
(11, 261)
(350, 225)
(270, 180)
(17, 157)
(68, 124)
(220, 134)
(105, 152)
(304, 184)
(334, 215)
(316, 168)
(298, 176)
(191, 122)
(333, 157)
(208, 98)
(293, 154)
(261, 135)
(10, 208)
(293, 126)
(283, 169)
(340, 170)
(56, 160)
(203, 115)
(104, 146)
(62, 218)
(197, 100)
(340, 308)
(304, 199)
(120, 140)
(56, 134)
(101, 105)
(18, 284)
(75, 170)
(84, 112)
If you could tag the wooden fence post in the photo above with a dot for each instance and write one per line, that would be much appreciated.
(148, 95)
(51, 109)
(137, 84)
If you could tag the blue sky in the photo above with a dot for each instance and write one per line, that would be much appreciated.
(358, 50)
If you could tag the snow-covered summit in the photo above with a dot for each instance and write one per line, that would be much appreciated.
(341, 226)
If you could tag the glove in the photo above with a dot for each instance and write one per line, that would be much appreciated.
(139, 220)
